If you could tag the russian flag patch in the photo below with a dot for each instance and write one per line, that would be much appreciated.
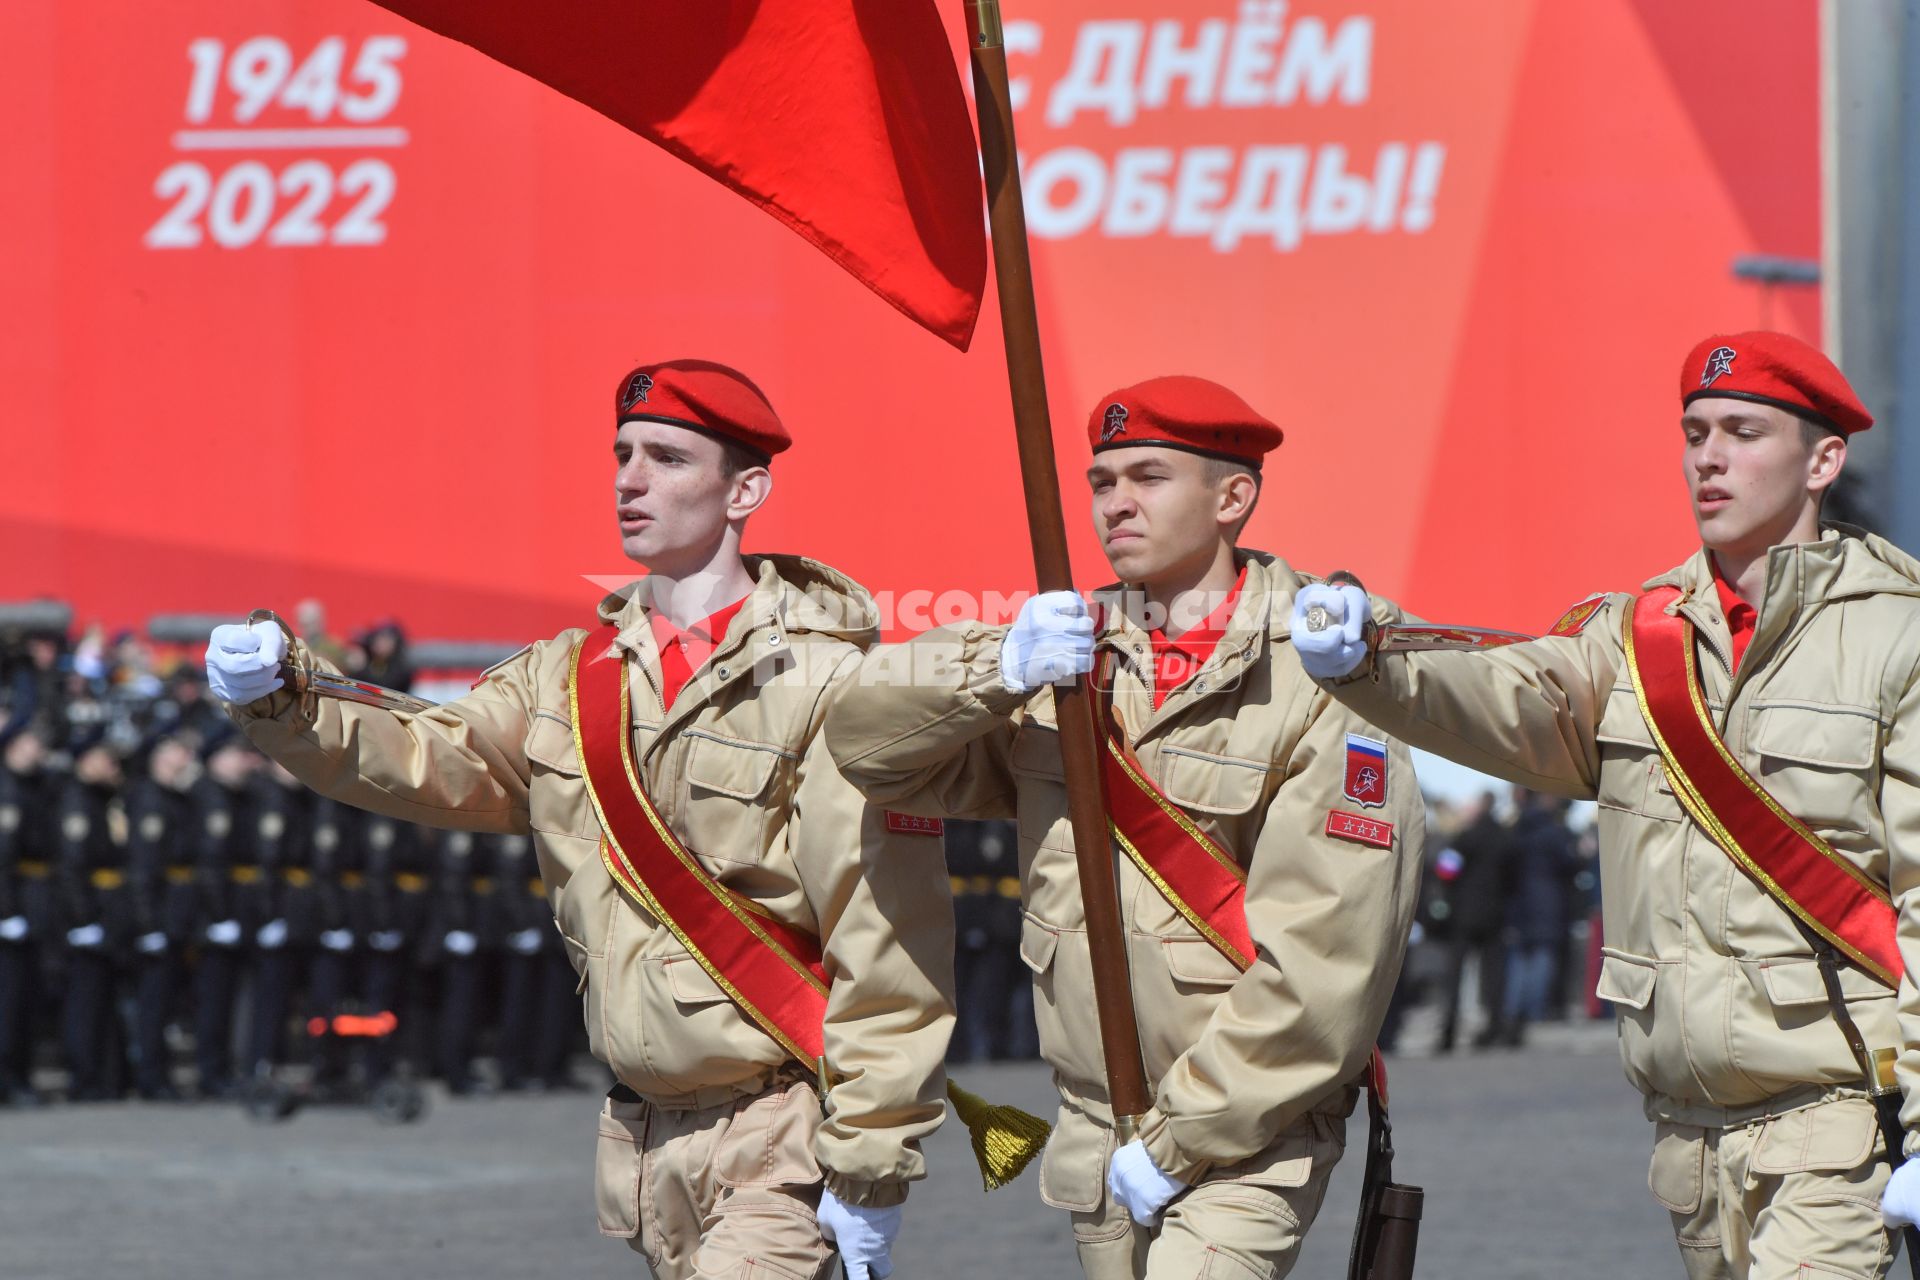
(1366, 770)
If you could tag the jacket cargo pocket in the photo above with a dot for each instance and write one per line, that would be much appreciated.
(1073, 1165)
(769, 1141)
(1199, 963)
(1209, 783)
(692, 985)
(730, 786)
(618, 1158)
(1036, 752)
(1037, 945)
(1843, 1134)
(1677, 1174)
(1793, 982)
(1314, 1139)
(1626, 979)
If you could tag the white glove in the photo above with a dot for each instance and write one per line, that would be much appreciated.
(1049, 643)
(1341, 644)
(224, 933)
(243, 662)
(461, 943)
(13, 928)
(1137, 1184)
(337, 939)
(151, 944)
(865, 1236)
(385, 939)
(1900, 1202)
(86, 936)
(525, 943)
(272, 935)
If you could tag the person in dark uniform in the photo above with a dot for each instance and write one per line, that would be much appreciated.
(983, 865)
(399, 878)
(340, 891)
(27, 912)
(98, 914)
(160, 830)
(231, 886)
(458, 944)
(284, 942)
(525, 925)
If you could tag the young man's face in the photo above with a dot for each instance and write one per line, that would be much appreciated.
(1750, 472)
(675, 493)
(1161, 513)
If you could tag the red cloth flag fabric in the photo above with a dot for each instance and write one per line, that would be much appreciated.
(844, 119)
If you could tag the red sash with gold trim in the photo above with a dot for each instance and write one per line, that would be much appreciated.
(1797, 868)
(771, 970)
(1202, 881)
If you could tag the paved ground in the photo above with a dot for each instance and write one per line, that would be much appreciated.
(1534, 1165)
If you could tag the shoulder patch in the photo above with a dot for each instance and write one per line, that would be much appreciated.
(1366, 780)
(219, 822)
(907, 824)
(272, 825)
(326, 837)
(1575, 620)
(380, 834)
(152, 826)
(74, 826)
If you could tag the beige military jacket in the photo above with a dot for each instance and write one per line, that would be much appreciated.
(1253, 751)
(739, 770)
(1720, 1001)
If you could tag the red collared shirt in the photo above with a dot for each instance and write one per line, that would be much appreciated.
(1739, 614)
(1175, 661)
(682, 652)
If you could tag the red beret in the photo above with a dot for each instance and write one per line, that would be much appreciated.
(1775, 369)
(1181, 412)
(705, 397)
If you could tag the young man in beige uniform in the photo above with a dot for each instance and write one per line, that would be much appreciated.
(713, 1146)
(1766, 1151)
(1255, 1064)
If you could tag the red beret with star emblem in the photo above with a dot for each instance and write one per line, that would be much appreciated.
(1182, 412)
(705, 397)
(1775, 369)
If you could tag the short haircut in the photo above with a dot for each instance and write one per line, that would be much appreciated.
(1217, 471)
(737, 458)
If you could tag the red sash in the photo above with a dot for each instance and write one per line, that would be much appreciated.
(1797, 868)
(771, 970)
(1198, 878)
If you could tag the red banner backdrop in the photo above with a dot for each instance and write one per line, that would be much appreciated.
(302, 300)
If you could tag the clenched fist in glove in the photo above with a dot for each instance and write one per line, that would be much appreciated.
(1338, 644)
(1051, 642)
(243, 661)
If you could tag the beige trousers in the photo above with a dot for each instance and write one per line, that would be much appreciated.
(727, 1190)
(1789, 1196)
(1243, 1221)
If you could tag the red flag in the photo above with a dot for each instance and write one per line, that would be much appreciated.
(842, 118)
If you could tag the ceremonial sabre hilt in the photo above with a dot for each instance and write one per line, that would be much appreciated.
(1318, 617)
(308, 681)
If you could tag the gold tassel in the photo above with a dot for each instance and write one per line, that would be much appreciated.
(1005, 1139)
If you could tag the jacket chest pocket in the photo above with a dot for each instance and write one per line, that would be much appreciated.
(1220, 793)
(557, 802)
(733, 790)
(1632, 776)
(1819, 759)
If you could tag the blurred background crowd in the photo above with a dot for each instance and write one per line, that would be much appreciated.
(180, 918)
